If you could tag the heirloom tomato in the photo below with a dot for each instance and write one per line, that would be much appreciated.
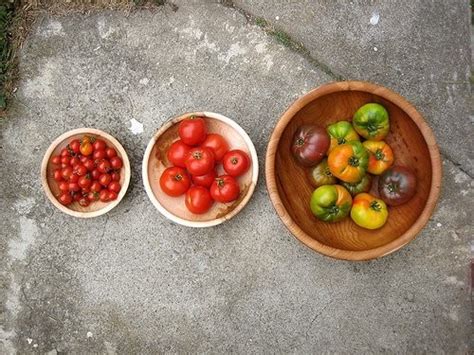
(380, 156)
(321, 175)
(310, 145)
(397, 185)
(340, 133)
(331, 203)
(368, 211)
(371, 121)
(348, 162)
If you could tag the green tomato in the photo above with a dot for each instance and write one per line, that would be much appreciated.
(371, 121)
(358, 187)
(340, 133)
(321, 175)
(331, 203)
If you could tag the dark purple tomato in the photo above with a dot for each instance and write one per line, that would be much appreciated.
(310, 144)
(397, 185)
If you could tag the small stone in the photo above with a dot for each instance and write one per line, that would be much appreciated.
(89, 334)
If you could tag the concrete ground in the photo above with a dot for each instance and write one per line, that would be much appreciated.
(132, 282)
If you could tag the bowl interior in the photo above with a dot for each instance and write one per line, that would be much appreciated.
(97, 205)
(158, 162)
(410, 149)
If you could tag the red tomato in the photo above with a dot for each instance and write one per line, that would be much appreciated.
(200, 161)
(63, 186)
(82, 158)
(111, 152)
(74, 161)
(193, 130)
(56, 159)
(74, 186)
(95, 174)
(177, 153)
(217, 144)
(104, 195)
(104, 166)
(58, 174)
(116, 162)
(99, 154)
(96, 186)
(225, 189)
(89, 164)
(65, 152)
(115, 176)
(86, 148)
(85, 181)
(198, 200)
(74, 145)
(114, 186)
(175, 181)
(73, 178)
(67, 172)
(93, 196)
(84, 201)
(111, 195)
(99, 144)
(236, 162)
(80, 170)
(105, 179)
(76, 196)
(65, 198)
(205, 180)
(66, 160)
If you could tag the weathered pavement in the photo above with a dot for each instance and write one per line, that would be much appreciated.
(132, 282)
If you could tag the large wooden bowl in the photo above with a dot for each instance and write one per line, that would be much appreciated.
(50, 186)
(155, 162)
(413, 144)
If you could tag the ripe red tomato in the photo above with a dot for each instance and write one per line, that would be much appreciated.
(104, 166)
(65, 152)
(74, 161)
(58, 175)
(115, 176)
(80, 170)
(93, 196)
(198, 200)
(104, 195)
(99, 154)
(111, 195)
(56, 159)
(74, 186)
(76, 196)
(85, 181)
(84, 201)
(74, 145)
(111, 152)
(114, 186)
(99, 144)
(236, 162)
(105, 179)
(89, 164)
(177, 153)
(65, 160)
(67, 172)
(63, 186)
(193, 130)
(116, 162)
(205, 180)
(95, 174)
(65, 198)
(86, 147)
(200, 161)
(225, 189)
(175, 181)
(82, 158)
(96, 186)
(217, 144)
(73, 178)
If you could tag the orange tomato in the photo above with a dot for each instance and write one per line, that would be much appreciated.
(348, 162)
(380, 156)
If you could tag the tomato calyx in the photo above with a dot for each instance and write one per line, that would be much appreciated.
(333, 210)
(178, 177)
(197, 155)
(379, 155)
(392, 187)
(341, 140)
(375, 205)
(300, 142)
(354, 161)
(220, 182)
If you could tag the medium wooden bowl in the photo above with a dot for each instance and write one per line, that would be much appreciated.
(155, 162)
(413, 144)
(50, 186)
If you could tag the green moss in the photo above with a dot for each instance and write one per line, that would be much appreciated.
(261, 22)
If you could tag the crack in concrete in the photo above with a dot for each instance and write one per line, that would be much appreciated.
(456, 164)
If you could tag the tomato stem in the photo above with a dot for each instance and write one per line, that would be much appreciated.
(299, 141)
(375, 206)
(353, 161)
(379, 155)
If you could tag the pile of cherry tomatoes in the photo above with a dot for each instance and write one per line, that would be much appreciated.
(87, 170)
(195, 157)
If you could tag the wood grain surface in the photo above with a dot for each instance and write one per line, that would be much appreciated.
(413, 144)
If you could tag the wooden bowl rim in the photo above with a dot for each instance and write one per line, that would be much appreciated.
(44, 172)
(430, 140)
(200, 224)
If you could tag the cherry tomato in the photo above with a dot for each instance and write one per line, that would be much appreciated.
(74, 145)
(198, 200)
(116, 162)
(85, 181)
(205, 180)
(236, 162)
(89, 164)
(115, 176)
(67, 172)
(65, 198)
(175, 181)
(99, 154)
(66, 160)
(217, 144)
(114, 186)
(65, 152)
(104, 166)
(104, 195)
(80, 170)
(111, 152)
(82, 158)
(95, 174)
(74, 186)
(63, 186)
(84, 201)
(200, 161)
(177, 153)
(93, 196)
(73, 178)
(56, 159)
(225, 189)
(99, 144)
(74, 161)
(96, 186)
(192, 130)
(85, 190)
(86, 148)
(76, 196)
(111, 195)
(105, 179)
(58, 175)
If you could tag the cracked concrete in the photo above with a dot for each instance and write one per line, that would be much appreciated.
(133, 282)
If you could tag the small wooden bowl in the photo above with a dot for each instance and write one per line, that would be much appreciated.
(155, 162)
(50, 186)
(413, 144)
